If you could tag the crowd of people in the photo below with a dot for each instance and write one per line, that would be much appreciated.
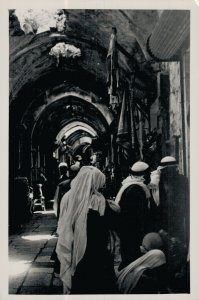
(136, 243)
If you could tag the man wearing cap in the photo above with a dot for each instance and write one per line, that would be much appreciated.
(134, 200)
(63, 169)
(170, 192)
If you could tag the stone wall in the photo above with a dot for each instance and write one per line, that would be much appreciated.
(167, 116)
(175, 111)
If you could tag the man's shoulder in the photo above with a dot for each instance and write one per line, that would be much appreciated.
(134, 189)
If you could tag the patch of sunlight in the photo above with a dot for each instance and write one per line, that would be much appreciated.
(38, 237)
(18, 267)
(46, 212)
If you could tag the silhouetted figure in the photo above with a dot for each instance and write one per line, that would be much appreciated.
(147, 274)
(134, 200)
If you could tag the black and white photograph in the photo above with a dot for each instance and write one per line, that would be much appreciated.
(99, 151)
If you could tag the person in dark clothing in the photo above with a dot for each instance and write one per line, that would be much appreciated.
(134, 201)
(94, 273)
(62, 187)
(63, 169)
(174, 201)
(174, 216)
(42, 179)
(147, 274)
(82, 248)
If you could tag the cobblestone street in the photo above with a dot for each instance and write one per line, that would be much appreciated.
(31, 264)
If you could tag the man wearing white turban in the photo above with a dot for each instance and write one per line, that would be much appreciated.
(134, 201)
(174, 215)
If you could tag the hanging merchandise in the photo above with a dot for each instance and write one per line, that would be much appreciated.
(112, 69)
(134, 138)
(124, 129)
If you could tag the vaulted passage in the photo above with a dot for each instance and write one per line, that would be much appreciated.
(94, 87)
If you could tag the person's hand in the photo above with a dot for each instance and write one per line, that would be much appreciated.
(114, 206)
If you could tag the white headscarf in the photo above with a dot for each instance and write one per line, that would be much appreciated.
(138, 180)
(154, 185)
(72, 226)
(130, 275)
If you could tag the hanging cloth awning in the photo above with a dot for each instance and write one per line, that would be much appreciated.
(169, 34)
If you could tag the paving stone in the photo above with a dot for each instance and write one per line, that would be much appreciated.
(56, 287)
(43, 232)
(48, 234)
(41, 270)
(43, 258)
(32, 290)
(29, 229)
(30, 251)
(38, 279)
(46, 227)
(57, 282)
(24, 257)
(12, 291)
(47, 251)
(51, 243)
(16, 282)
(48, 264)
(12, 252)
(29, 225)
(35, 244)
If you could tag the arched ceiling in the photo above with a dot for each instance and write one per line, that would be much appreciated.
(73, 127)
(133, 25)
(85, 140)
(88, 30)
(36, 77)
(65, 111)
(38, 86)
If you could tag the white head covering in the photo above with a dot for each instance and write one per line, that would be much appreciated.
(130, 275)
(167, 161)
(63, 164)
(154, 185)
(139, 167)
(72, 224)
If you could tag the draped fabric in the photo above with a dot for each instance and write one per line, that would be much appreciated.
(126, 135)
(72, 223)
(61, 189)
(112, 67)
(130, 275)
(124, 128)
(154, 186)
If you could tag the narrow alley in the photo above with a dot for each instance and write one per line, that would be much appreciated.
(99, 126)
